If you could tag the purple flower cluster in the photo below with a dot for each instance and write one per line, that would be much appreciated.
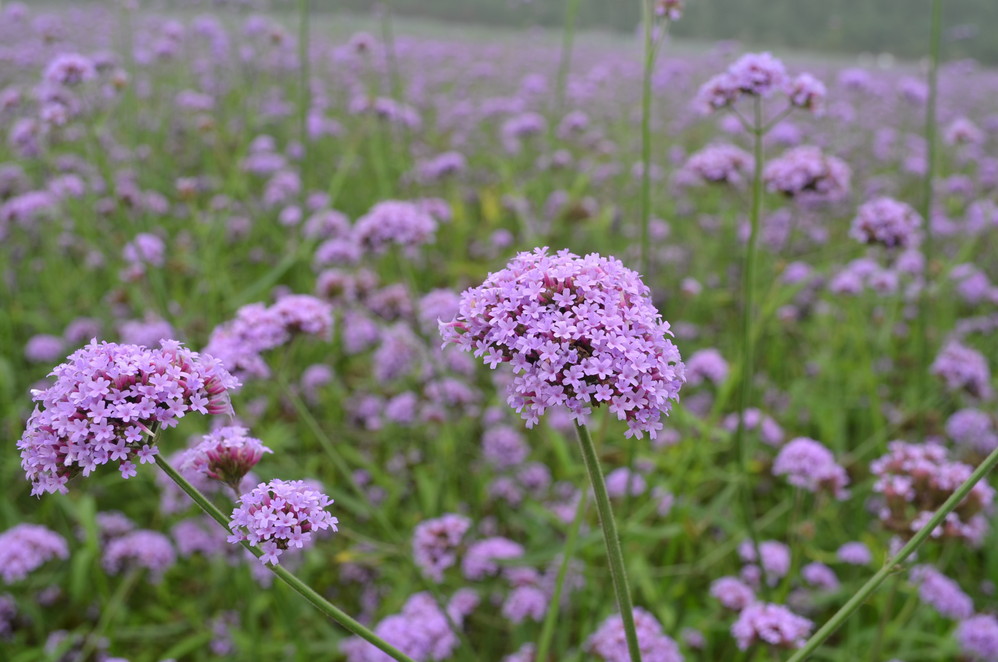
(775, 625)
(420, 630)
(978, 637)
(405, 224)
(280, 514)
(720, 164)
(26, 547)
(732, 593)
(809, 465)
(942, 593)
(806, 172)
(964, 369)
(610, 644)
(973, 429)
(257, 328)
(775, 561)
(225, 455)
(106, 401)
(753, 74)
(706, 365)
(578, 331)
(480, 559)
(435, 544)
(70, 69)
(916, 479)
(150, 550)
(887, 222)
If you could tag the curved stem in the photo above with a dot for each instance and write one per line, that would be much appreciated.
(646, 135)
(304, 95)
(612, 539)
(303, 589)
(892, 565)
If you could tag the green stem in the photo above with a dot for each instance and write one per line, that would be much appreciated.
(892, 565)
(327, 608)
(924, 302)
(547, 631)
(571, 9)
(304, 95)
(649, 64)
(615, 556)
(742, 447)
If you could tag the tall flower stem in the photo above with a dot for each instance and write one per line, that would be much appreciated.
(304, 93)
(924, 299)
(742, 447)
(565, 63)
(327, 608)
(649, 66)
(615, 556)
(893, 564)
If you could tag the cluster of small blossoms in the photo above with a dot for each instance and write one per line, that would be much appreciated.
(706, 365)
(420, 630)
(732, 593)
(809, 465)
(964, 369)
(772, 624)
(671, 10)
(280, 514)
(105, 401)
(405, 224)
(775, 562)
(70, 69)
(942, 593)
(257, 328)
(225, 455)
(978, 637)
(886, 222)
(719, 164)
(806, 172)
(759, 75)
(140, 549)
(578, 332)
(435, 544)
(26, 547)
(973, 429)
(915, 480)
(610, 644)
(770, 431)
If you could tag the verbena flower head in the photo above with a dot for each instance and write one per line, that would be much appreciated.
(481, 558)
(280, 514)
(706, 365)
(226, 455)
(26, 547)
(578, 332)
(819, 576)
(809, 465)
(406, 224)
(70, 69)
(942, 593)
(807, 92)
(671, 10)
(765, 623)
(420, 630)
(854, 553)
(732, 593)
(887, 222)
(150, 550)
(775, 560)
(806, 172)
(964, 369)
(973, 429)
(435, 544)
(720, 164)
(608, 643)
(915, 480)
(105, 401)
(978, 637)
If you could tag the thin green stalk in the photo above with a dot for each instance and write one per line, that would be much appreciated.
(742, 447)
(924, 301)
(547, 631)
(304, 94)
(615, 556)
(649, 64)
(327, 608)
(571, 9)
(892, 565)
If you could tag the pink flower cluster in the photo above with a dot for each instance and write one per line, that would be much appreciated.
(225, 455)
(887, 222)
(608, 643)
(106, 400)
(578, 332)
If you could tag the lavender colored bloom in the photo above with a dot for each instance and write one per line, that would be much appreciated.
(820, 576)
(770, 624)
(942, 593)
(973, 429)
(809, 465)
(807, 92)
(525, 653)
(405, 224)
(886, 222)
(978, 637)
(225, 455)
(43, 348)
(199, 535)
(609, 644)
(106, 399)
(758, 74)
(140, 549)
(621, 479)
(720, 164)
(854, 553)
(26, 547)
(808, 173)
(775, 559)
(963, 369)
(145, 249)
(578, 331)
(526, 601)
(435, 544)
(280, 514)
(732, 593)
(706, 365)
(769, 430)
(962, 131)
(70, 69)
(420, 630)
(480, 558)
(503, 447)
